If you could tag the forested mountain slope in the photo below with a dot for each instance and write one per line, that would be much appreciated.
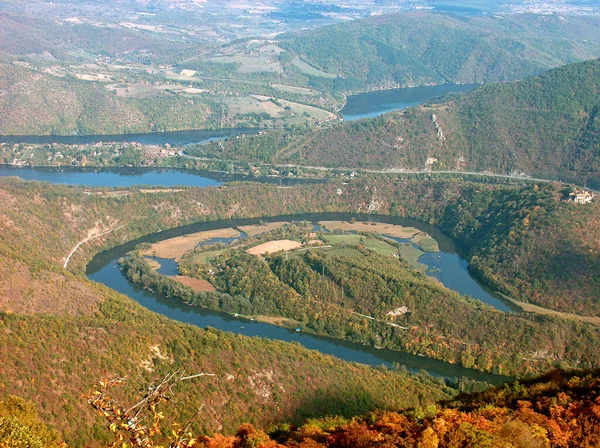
(419, 48)
(559, 409)
(75, 332)
(546, 126)
(37, 102)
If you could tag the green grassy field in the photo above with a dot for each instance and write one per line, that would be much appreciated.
(250, 64)
(295, 89)
(206, 257)
(348, 238)
(427, 244)
(381, 247)
(411, 255)
(378, 246)
(313, 112)
(310, 70)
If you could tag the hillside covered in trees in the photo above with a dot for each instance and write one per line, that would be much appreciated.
(56, 313)
(559, 410)
(36, 102)
(69, 80)
(67, 332)
(544, 126)
(419, 48)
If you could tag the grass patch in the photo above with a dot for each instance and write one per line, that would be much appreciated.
(310, 70)
(205, 258)
(380, 247)
(250, 64)
(274, 247)
(313, 112)
(373, 227)
(246, 105)
(410, 254)
(373, 244)
(295, 89)
(426, 243)
(348, 238)
(174, 248)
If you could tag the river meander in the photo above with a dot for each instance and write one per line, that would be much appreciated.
(104, 269)
(449, 265)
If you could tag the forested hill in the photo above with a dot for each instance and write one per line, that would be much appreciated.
(546, 126)
(559, 409)
(421, 47)
(35, 101)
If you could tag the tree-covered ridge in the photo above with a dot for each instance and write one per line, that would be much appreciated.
(531, 240)
(544, 126)
(558, 410)
(41, 224)
(420, 48)
(39, 103)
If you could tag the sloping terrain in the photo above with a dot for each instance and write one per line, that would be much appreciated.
(39, 103)
(559, 410)
(420, 48)
(544, 126)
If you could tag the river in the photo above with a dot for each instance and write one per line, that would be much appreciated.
(128, 177)
(372, 104)
(363, 105)
(104, 269)
(449, 266)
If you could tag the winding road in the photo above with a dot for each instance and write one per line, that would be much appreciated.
(89, 238)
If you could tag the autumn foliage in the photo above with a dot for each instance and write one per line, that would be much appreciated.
(558, 410)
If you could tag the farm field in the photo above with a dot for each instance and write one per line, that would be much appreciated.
(197, 284)
(204, 258)
(381, 247)
(250, 64)
(294, 89)
(144, 90)
(374, 227)
(277, 108)
(174, 248)
(310, 70)
(258, 229)
(274, 246)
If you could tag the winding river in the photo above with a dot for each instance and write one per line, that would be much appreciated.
(449, 265)
(104, 269)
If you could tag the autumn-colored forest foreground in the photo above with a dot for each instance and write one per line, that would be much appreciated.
(559, 410)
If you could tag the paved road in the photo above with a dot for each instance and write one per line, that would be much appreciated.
(392, 170)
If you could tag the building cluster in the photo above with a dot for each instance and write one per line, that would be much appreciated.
(581, 196)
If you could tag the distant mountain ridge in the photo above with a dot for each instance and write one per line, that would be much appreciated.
(420, 48)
